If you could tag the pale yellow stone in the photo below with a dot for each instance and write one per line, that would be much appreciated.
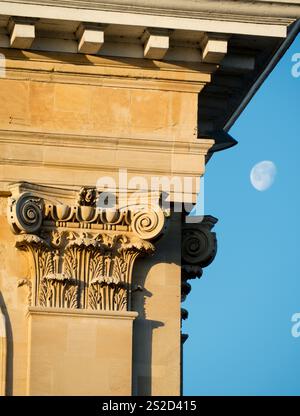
(66, 121)
(90, 41)
(214, 48)
(22, 35)
(69, 118)
(14, 108)
(156, 46)
(79, 352)
(156, 367)
(110, 111)
(41, 103)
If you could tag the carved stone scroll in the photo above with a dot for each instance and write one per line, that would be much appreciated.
(199, 248)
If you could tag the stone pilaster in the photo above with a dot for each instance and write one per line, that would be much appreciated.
(81, 258)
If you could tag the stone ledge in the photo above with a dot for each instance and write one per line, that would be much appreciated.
(281, 10)
(162, 18)
(126, 315)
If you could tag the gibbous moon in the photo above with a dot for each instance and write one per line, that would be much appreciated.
(262, 175)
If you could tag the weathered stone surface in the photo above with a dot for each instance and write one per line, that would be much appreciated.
(81, 97)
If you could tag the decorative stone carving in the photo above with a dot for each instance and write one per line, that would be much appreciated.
(26, 213)
(81, 256)
(87, 196)
(184, 314)
(185, 289)
(199, 248)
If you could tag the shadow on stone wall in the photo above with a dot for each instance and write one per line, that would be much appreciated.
(142, 333)
(143, 326)
(9, 349)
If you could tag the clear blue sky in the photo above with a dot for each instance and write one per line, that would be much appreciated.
(239, 323)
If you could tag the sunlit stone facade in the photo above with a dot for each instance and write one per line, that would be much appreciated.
(90, 295)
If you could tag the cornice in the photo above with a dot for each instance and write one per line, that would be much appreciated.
(243, 10)
(199, 146)
(233, 19)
